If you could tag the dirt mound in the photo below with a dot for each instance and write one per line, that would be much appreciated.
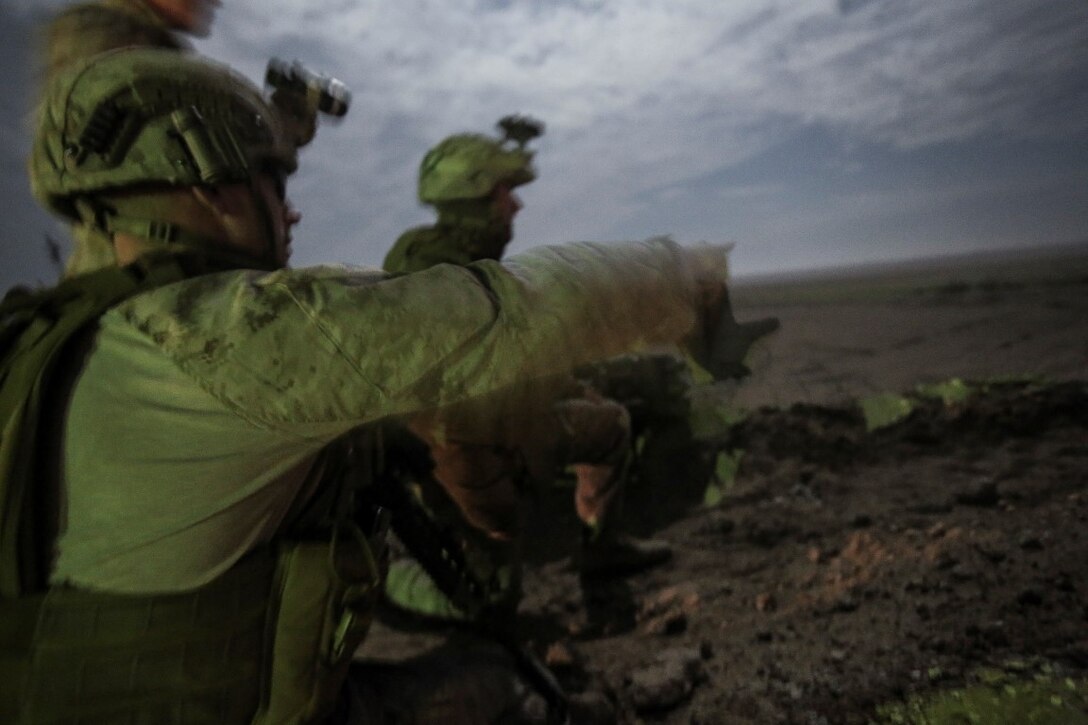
(846, 569)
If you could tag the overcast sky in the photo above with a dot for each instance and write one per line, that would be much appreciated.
(811, 133)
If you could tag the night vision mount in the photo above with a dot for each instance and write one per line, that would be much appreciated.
(520, 129)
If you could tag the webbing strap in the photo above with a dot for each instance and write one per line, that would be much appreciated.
(168, 233)
(34, 331)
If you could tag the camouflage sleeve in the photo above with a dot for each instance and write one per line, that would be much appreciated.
(315, 352)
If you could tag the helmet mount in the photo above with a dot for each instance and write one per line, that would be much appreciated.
(520, 129)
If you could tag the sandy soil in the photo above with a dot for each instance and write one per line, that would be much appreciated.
(846, 569)
(851, 333)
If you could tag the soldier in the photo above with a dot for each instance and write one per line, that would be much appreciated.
(87, 29)
(486, 450)
(469, 179)
(182, 535)
(83, 30)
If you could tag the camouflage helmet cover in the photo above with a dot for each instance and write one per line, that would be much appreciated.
(150, 116)
(470, 166)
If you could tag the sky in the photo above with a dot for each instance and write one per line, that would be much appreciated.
(810, 133)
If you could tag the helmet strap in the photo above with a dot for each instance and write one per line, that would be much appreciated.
(176, 237)
(266, 216)
(105, 218)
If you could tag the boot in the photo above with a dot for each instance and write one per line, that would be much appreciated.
(607, 554)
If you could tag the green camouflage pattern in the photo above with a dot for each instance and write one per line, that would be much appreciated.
(457, 177)
(423, 247)
(259, 371)
(113, 122)
(84, 30)
(239, 647)
(35, 333)
(470, 166)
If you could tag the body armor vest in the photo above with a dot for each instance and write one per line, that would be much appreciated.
(269, 641)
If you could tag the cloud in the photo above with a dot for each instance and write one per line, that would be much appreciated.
(646, 95)
(645, 100)
(879, 66)
(914, 73)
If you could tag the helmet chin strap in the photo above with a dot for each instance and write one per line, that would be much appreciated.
(175, 236)
(259, 203)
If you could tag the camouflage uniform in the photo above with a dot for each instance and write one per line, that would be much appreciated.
(84, 30)
(446, 242)
(484, 451)
(458, 177)
(180, 539)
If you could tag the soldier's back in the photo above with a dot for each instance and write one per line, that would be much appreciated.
(422, 247)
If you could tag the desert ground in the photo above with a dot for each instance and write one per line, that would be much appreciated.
(930, 570)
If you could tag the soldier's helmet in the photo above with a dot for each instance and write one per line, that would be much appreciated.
(469, 166)
(150, 117)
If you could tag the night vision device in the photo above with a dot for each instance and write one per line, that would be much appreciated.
(520, 129)
(332, 97)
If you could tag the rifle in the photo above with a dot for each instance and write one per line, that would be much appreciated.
(439, 553)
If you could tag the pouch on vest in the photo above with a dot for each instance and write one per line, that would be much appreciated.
(190, 657)
(326, 594)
